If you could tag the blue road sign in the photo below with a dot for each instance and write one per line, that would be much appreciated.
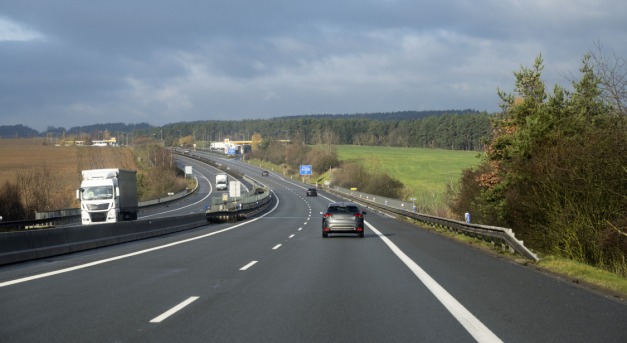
(305, 170)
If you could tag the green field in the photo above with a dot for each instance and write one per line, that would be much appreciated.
(426, 172)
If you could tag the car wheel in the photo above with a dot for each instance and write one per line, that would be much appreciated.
(360, 235)
(325, 235)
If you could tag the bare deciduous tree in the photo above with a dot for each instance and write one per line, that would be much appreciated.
(612, 70)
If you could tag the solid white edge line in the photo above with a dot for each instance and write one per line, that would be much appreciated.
(173, 310)
(252, 263)
(115, 258)
(474, 326)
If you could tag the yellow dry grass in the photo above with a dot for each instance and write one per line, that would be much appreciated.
(64, 162)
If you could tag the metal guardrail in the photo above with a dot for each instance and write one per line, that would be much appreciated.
(169, 198)
(490, 233)
(68, 212)
(22, 225)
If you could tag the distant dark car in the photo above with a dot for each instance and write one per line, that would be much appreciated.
(312, 192)
(264, 173)
(343, 217)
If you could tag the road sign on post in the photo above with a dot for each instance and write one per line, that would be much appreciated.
(305, 170)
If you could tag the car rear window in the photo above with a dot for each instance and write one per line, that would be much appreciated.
(343, 209)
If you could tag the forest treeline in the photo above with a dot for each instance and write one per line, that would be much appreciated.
(456, 130)
(450, 129)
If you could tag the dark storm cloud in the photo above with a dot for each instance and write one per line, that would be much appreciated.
(67, 63)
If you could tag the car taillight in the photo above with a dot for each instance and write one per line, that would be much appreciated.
(327, 215)
(359, 215)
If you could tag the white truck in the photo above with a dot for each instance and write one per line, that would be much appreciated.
(108, 196)
(222, 182)
(218, 146)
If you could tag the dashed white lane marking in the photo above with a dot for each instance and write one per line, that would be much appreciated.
(292, 236)
(252, 263)
(300, 228)
(473, 325)
(277, 246)
(173, 310)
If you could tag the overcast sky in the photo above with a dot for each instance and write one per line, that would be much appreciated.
(70, 63)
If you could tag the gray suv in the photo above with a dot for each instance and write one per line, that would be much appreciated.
(343, 217)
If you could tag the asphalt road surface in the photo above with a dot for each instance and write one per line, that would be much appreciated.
(275, 279)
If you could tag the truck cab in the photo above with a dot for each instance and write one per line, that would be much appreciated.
(98, 201)
(108, 196)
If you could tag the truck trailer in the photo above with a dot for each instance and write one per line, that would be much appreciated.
(108, 196)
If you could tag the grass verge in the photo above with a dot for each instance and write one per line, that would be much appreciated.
(580, 272)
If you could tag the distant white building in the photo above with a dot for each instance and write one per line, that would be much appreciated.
(106, 142)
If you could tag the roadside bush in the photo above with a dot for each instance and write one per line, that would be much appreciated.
(275, 153)
(468, 197)
(11, 207)
(296, 154)
(578, 183)
(349, 175)
(555, 172)
(158, 174)
(353, 174)
(42, 191)
(384, 185)
(322, 160)
(157, 182)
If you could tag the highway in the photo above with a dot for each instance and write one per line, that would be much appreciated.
(275, 279)
(194, 203)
